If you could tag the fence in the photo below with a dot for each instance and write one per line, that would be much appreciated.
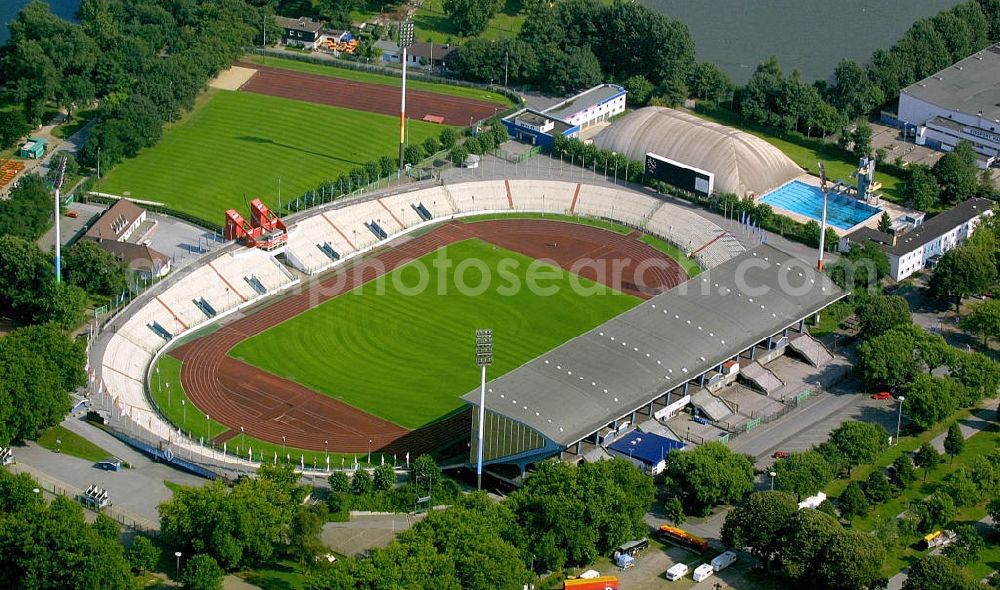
(59, 488)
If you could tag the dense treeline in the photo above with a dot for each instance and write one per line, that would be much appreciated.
(563, 516)
(50, 546)
(145, 60)
(566, 46)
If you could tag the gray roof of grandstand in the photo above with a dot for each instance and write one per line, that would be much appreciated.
(575, 389)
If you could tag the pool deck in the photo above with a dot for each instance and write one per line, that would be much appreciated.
(895, 211)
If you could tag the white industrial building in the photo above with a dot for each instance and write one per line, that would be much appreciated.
(922, 246)
(595, 105)
(961, 102)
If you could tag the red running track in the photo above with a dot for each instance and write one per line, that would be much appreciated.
(362, 96)
(269, 407)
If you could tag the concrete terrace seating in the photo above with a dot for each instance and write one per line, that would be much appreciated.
(234, 266)
(543, 195)
(202, 283)
(304, 240)
(126, 358)
(436, 200)
(401, 207)
(480, 196)
(352, 219)
(611, 203)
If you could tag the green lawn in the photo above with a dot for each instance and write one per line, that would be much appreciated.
(235, 145)
(75, 123)
(432, 24)
(806, 153)
(173, 402)
(690, 266)
(359, 76)
(59, 439)
(403, 352)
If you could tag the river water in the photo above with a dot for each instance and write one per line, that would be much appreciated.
(811, 35)
(9, 9)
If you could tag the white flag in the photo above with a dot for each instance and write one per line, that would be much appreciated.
(302, 461)
(223, 447)
(382, 459)
(407, 458)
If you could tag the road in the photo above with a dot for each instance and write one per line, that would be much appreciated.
(135, 492)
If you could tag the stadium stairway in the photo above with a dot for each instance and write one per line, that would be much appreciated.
(711, 406)
(760, 377)
(810, 349)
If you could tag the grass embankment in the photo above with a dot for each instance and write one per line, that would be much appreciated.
(392, 351)
(806, 152)
(234, 146)
(58, 439)
(333, 71)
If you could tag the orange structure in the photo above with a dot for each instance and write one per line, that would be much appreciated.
(601, 583)
(265, 229)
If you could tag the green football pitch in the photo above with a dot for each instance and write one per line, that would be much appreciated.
(236, 145)
(406, 354)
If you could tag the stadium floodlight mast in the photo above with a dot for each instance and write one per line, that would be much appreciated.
(58, 186)
(822, 226)
(484, 358)
(405, 40)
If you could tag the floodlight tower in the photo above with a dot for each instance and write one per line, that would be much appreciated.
(484, 358)
(58, 186)
(822, 226)
(405, 40)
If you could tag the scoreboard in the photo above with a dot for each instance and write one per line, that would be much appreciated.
(685, 177)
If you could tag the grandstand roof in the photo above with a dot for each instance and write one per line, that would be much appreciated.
(968, 86)
(575, 389)
(741, 162)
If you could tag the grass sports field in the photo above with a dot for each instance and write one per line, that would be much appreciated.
(237, 144)
(406, 354)
(358, 76)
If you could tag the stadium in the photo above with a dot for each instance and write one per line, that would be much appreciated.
(570, 368)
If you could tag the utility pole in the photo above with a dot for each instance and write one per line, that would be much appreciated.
(484, 358)
(822, 226)
(405, 40)
(58, 186)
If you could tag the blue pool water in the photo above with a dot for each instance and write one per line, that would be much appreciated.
(842, 211)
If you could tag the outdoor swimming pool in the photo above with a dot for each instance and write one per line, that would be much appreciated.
(842, 211)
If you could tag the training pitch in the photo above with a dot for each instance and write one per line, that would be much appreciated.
(235, 146)
(405, 353)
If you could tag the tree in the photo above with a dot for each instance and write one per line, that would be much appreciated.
(930, 400)
(93, 269)
(470, 17)
(954, 442)
(755, 524)
(804, 540)
(143, 555)
(880, 313)
(673, 510)
(361, 482)
(861, 267)
(967, 546)
(304, 531)
(383, 478)
(339, 481)
(902, 472)
(885, 223)
(860, 442)
(13, 126)
(853, 501)
(708, 81)
(447, 138)
(431, 145)
(458, 155)
(960, 487)
(28, 212)
(935, 572)
(853, 93)
(983, 320)
(934, 511)
(926, 458)
(993, 509)
(802, 474)
(709, 475)
(956, 171)
(923, 189)
(852, 560)
(961, 272)
(201, 572)
(861, 138)
(876, 488)
(640, 90)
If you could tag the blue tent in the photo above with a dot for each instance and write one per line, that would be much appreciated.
(650, 449)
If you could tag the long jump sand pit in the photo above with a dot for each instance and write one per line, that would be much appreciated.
(232, 79)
